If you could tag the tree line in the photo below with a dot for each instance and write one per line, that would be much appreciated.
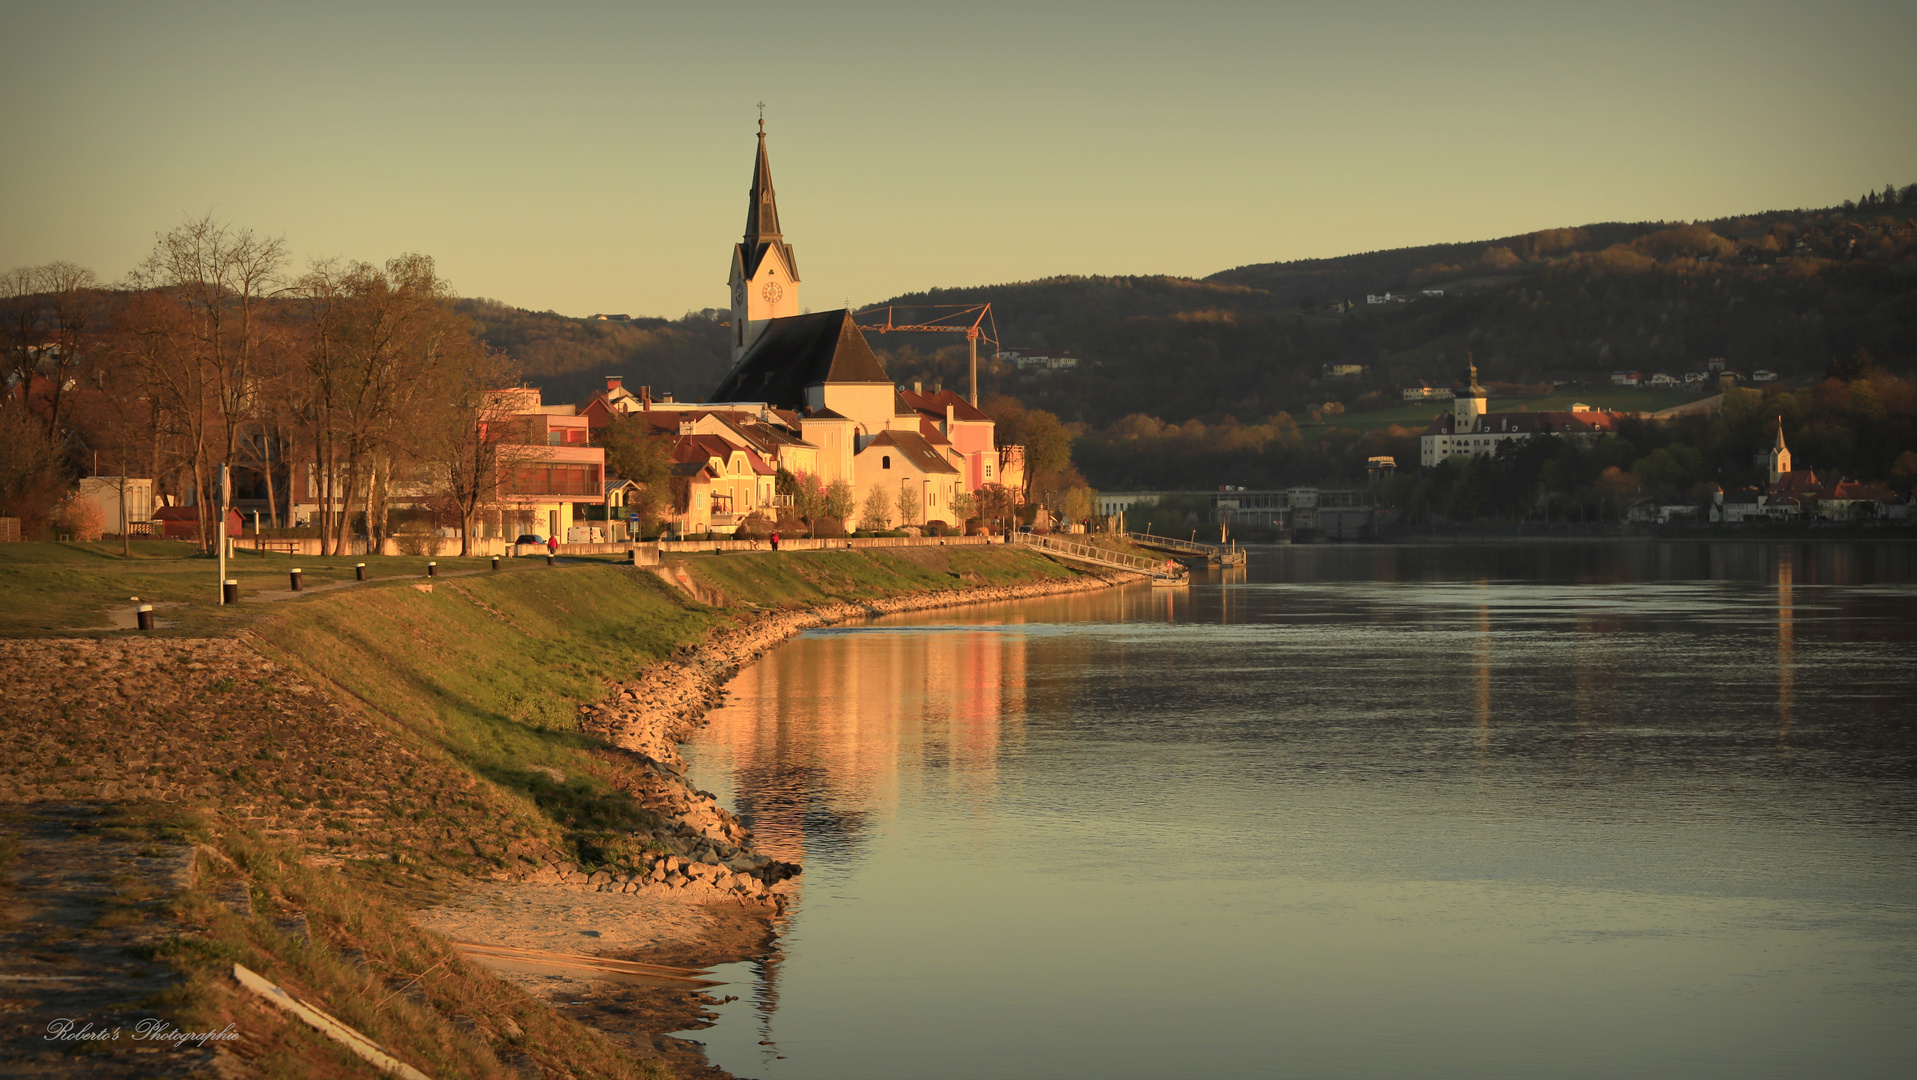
(359, 377)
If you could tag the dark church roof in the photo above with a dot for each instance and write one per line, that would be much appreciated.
(800, 351)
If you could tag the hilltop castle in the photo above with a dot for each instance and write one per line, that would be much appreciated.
(1470, 429)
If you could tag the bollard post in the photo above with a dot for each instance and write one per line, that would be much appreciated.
(551, 559)
(230, 591)
(295, 575)
(495, 562)
(145, 616)
(432, 568)
(359, 571)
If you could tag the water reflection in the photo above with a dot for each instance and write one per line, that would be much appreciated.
(1156, 832)
(1786, 645)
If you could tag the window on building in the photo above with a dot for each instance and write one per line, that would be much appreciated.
(885, 461)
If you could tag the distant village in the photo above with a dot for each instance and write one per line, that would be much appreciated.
(807, 431)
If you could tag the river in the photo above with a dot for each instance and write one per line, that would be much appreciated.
(1519, 810)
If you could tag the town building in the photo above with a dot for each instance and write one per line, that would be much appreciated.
(105, 493)
(1471, 430)
(821, 390)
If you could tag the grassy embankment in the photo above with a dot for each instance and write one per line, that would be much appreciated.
(72, 588)
(491, 670)
(469, 757)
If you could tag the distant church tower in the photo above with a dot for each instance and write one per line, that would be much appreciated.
(1469, 405)
(1780, 454)
(765, 277)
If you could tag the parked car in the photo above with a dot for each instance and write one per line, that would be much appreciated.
(530, 538)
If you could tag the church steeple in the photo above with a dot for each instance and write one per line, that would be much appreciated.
(1780, 462)
(764, 282)
(762, 211)
(1468, 405)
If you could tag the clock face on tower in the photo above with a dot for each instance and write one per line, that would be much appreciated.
(772, 291)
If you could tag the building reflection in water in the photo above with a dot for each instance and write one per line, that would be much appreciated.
(818, 737)
(1786, 642)
(1481, 675)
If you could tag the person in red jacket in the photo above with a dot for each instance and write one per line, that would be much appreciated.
(552, 545)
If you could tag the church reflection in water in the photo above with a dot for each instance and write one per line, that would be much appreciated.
(817, 737)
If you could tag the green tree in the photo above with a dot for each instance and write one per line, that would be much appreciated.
(839, 499)
(641, 453)
(1047, 441)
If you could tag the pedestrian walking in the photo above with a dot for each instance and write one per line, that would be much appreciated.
(775, 541)
(552, 544)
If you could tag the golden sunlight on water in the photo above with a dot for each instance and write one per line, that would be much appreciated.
(1351, 812)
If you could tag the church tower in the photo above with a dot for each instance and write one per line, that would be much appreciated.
(1780, 462)
(1469, 405)
(765, 277)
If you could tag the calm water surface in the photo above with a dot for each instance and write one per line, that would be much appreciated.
(1508, 811)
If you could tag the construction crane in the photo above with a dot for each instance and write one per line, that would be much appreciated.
(954, 323)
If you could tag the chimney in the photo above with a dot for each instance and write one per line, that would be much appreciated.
(614, 382)
(948, 419)
(666, 398)
(938, 386)
(645, 398)
(918, 387)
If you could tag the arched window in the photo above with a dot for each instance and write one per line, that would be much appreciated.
(885, 461)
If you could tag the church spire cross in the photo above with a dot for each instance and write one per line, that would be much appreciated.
(762, 211)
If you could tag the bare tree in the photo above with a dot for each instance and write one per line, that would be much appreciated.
(215, 283)
(481, 438)
(157, 342)
(911, 505)
(48, 317)
(378, 343)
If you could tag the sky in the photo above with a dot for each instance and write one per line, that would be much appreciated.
(593, 158)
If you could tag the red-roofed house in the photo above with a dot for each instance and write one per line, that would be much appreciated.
(741, 481)
(947, 414)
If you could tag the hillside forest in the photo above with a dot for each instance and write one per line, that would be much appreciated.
(1193, 383)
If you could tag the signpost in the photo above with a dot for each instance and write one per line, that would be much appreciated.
(226, 496)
